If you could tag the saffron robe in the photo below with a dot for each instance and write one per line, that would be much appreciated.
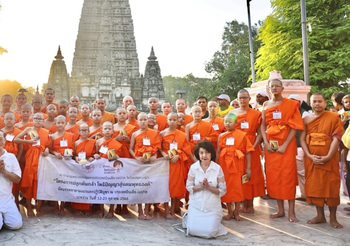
(281, 169)
(129, 129)
(256, 185)
(232, 161)
(162, 122)
(322, 183)
(112, 144)
(153, 148)
(107, 116)
(218, 127)
(56, 143)
(204, 129)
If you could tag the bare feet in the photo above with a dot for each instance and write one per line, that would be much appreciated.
(141, 216)
(148, 217)
(228, 217)
(335, 224)
(30, 213)
(317, 220)
(246, 210)
(109, 215)
(237, 217)
(292, 219)
(277, 215)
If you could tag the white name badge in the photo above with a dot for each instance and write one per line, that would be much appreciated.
(146, 142)
(37, 143)
(173, 146)
(63, 143)
(277, 115)
(196, 137)
(9, 137)
(82, 156)
(103, 150)
(230, 141)
(245, 125)
(216, 127)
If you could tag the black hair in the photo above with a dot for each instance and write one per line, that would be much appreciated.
(208, 146)
(202, 97)
(338, 97)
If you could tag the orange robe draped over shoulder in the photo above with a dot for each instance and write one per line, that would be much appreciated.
(75, 131)
(323, 181)
(107, 116)
(12, 147)
(178, 170)
(204, 129)
(281, 169)
(29, 184)
(251, 123)
(153, 148)
(129, 129)
(162, 122)
(112, 144)
(56, 144)
(232, 161)
(218, 127)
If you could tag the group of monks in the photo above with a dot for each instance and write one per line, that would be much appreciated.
(242, 136)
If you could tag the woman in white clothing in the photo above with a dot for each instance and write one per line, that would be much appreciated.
(206, 184)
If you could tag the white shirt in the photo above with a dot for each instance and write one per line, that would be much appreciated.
(205, 200)
(12, 166)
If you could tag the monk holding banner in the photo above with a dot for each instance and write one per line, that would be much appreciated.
(320, 141)
(280, 121)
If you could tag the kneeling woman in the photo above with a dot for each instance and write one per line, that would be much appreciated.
(206, 184)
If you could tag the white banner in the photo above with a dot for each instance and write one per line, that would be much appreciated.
(103, 181)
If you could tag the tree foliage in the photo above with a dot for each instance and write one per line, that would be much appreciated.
(11, 87)
(329, 41)
(230, 66)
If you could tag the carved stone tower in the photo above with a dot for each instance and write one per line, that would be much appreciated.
(105, 63)
(152, 85)
(58, 78)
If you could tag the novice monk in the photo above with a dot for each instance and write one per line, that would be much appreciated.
(72, 125)
(175, 148)
(320, 141)
(106, 116)
(26, 114)
(152, 122)
(84, 151)
(161, 120)
(95, 129)
(234, 153)
(105, 146)
(181, 108)
(144, 146)
(132, 116)
(123, 131)
(85, 115)
(249, 121)
(198, 130)
(10, 133)
(216, 122)
(38, 145)
(280, 121)
(181, 122)
(49, 123)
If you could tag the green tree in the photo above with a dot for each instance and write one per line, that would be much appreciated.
(230, 66)
(329, 45)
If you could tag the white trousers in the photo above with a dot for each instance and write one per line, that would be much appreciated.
(9, 215)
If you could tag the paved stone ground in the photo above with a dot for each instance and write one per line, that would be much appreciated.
(257, 229)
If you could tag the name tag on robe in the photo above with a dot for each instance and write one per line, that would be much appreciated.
(277, 115)
(216, 127)
(146, 142)
(37, 143)
(173, 145)
(196, 137)
(63, 143)
(82, 156)
(103, 150)
(245, 125)
(230, 141)
(9, 137)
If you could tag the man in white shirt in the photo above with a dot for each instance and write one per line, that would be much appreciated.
(10, 172)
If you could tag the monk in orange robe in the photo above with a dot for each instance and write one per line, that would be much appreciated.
(132, 116)
(153, 105)
(49, 99)
(38, 145)
(95, 129)
(6, 104)
(105, 145)
(123, 131)
(181, 108)
(181, 122)
(320, 141)
(10, 133)
(280, 121)
(49, 123)
(144, 146)
(234, 153)
(84, 151)
(176, 149)
(216, 122)
(21, 99)
(72, 125)
(85, 115)
(198, 130)
(106, 116)
(249, 121)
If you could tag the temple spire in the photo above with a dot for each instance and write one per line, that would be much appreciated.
(59, 54)
(152, 56)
